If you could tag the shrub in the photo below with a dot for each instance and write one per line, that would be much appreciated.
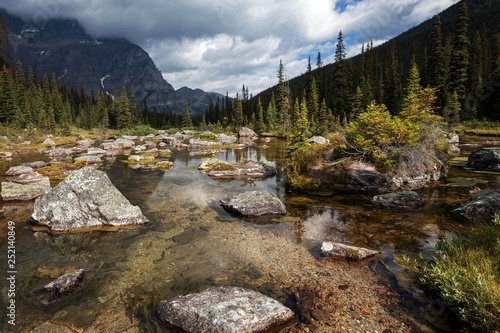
(140, 130)
(466, 274)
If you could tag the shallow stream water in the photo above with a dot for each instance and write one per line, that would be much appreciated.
(186, 246)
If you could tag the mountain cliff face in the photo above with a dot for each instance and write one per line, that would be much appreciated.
(4, 44)
(80, 61)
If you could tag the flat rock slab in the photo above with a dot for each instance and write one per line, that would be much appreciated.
(398, 200)
(347, 252)
(245, 170)
(86, 198)
(487, 159)
(19, 170)
(62, 286)
(224, 310)
(254, 203)
(26, 188)
(480, 208)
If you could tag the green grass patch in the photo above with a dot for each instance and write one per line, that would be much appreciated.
(477, 127)
(465, 273)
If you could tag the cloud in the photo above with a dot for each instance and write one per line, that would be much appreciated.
(220, 45)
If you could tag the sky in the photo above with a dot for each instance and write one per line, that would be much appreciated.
(220, 45)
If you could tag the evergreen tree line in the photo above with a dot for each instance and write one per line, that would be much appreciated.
(463, 72)
(29, 103)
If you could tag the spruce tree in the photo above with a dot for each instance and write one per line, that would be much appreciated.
(237, 118)
(282, 103)
(270, 115)
(324, 118)
(340, 93)
(459, 61)
(436, 65)
(260, 125)
(186, 123)
(123, 117)
(356, 104)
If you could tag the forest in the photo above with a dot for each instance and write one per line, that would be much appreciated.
(461, 66)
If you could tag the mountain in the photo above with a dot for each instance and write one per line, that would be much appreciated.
(4, 45)
(83, 62)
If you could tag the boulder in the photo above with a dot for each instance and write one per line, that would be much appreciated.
(486, 159)
(95, 151)
(245, 170)
(224, 310)
(90, 159)
(19, 170)
(36, 164)
(319, 140)
(25, 188)
(87, 143)
(246, 132)
(226, 139)
(58, 152)
(86, 198)
(480, 208)
(339, 250)
(6, 154)
(254, 203)
(49, 142)
(398, 200)
(62, 286)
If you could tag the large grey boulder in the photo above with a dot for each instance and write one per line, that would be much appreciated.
(246, 132)
(19, 170)
(480, 208)
(319, 140)
(348, 252)
(487, 159)
(86, 198)
(398, 200)
(224, 310)
(62, 286)
(254, 203)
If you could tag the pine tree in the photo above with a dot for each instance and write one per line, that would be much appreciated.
(411, 104)
(282, 103)
(237, 119)
(392, 82)
(451, 112)
(270, 115)
(186, 123)
(123, 117)
(260, 125)
(300, 130)
(356, 104)
(459, 61)
(102, 113)
(135, 111)
(340, 95)
(324, 118)
(436, 65)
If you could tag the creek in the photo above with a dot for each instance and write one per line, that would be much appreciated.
(189, 243)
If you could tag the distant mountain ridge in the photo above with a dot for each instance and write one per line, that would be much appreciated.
(80, 61)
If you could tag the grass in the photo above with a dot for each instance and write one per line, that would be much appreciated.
(465, 273)
(477, 127)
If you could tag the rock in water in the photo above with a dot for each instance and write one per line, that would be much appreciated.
(487, 159)
(64, 285)
(480, 208)
(346, 251)
(399, 200)
(246, 132)
(254, 203)
(86, 198)
(224, 309)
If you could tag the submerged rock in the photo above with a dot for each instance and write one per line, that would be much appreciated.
(254, 203)
(398, 200)
(347, 252)
(486, 159)
(224, 310)
(86, 198)
(480, 208)
(62, 286)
